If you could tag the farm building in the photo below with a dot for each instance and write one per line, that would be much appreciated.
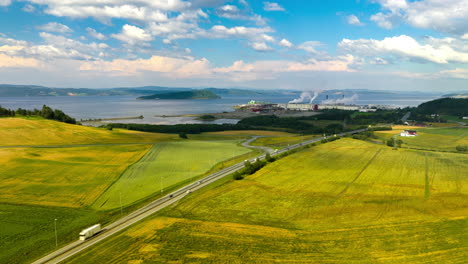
(408, 133)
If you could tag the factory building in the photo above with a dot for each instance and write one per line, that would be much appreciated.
(298, 107)
(265, 107)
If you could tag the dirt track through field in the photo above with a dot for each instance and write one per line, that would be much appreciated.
(358, 175)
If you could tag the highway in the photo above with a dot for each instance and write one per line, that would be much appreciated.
(156, 205)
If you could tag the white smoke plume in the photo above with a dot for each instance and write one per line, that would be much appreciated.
(306, 97)
(346, 100)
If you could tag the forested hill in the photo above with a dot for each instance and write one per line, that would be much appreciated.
(200, 94)
(445, 106)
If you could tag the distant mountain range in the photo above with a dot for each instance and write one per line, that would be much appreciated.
(8, 90)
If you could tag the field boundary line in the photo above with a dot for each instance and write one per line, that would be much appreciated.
(358, 175)
(121, 174)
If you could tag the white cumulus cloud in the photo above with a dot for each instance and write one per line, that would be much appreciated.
(436, 50)
(272, 6)
(133, 35)
(55, 27)
(94, 34)
(354, 20)
(260, 46)
(447, 16)
(5, 2)
(285, 43)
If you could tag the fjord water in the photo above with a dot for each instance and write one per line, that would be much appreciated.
(95, 107)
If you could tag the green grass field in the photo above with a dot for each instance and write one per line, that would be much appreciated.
(166, 165)
(347, 201)
(28, 231)
(438, 138)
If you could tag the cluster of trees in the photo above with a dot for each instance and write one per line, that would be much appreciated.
(393, 142)
(445, 106)
(4, 112)
(380, 116)
(296, 124)
(46, 112)
(462, 148)
(366, 135)
(330, 139)
(249, 168)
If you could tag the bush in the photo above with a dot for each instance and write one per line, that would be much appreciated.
(462, 148)
(183, 135)
(237, 176)
(269, 158)
(207, 117)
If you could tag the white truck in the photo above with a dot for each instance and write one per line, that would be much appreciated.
(90, 231)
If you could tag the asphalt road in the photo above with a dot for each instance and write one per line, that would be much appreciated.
(155, 206)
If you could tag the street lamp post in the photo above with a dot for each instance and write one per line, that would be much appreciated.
(55, 228)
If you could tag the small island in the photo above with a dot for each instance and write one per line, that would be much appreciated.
(200, 94)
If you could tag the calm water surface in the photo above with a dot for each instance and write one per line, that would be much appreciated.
(93, 107)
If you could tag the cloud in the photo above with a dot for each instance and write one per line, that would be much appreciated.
(448, 16)
(438, 51)
(285, 43)
(354, 20)
(234, 12)
(55, 27)
(310, 46)
(260, 46)
(17, 62)
(271, 6)
(241, 71)
(94, 34)
(172, 67)
(133, 35)
(55, 47)
(28, 8)
(387, 21)
(379, 61)
(455, 73)
(5, 2)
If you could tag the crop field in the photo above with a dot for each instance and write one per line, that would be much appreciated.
(347, 201)
(166, 165)
(69, 177)
(25, 132)
(445, 139)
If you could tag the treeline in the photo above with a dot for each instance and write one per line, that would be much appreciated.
(446, 106)
(358, 118)
(295, 124)
(300, 124)
(46, 112)
(180, 128)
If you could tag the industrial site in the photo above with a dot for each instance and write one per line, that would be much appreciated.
(305, 103)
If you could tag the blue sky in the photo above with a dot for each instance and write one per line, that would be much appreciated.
(300, 44)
